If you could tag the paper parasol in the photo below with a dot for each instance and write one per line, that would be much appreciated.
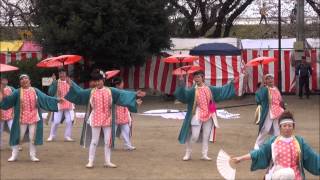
(111, 74)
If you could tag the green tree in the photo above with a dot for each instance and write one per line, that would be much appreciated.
(110, 33)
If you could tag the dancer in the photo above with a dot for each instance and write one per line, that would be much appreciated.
(270, 100)
(59, 88)
(123, 119)
(201, 111)
(286, 155)
(6, 116)
(27, 102)
(102, 101)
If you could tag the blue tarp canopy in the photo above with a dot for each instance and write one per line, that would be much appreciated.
(215, 49)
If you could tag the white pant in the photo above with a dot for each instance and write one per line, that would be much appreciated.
(32, 133)
(95, 140)
(195, 132)
(57, 120)
(125, 133)
(9, 122)
(271, 127)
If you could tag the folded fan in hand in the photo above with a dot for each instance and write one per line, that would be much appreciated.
(224, 167)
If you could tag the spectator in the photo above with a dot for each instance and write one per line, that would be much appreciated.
(304, 71)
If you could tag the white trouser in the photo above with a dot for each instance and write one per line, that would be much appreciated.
(57, 120)
(95, 141)
(271, 127)
(9, 122)
(32, 133)
(125, 133)
(195, 132)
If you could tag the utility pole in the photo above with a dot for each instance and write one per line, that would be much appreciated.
(300, 21)
(299, 45)
(279, 47)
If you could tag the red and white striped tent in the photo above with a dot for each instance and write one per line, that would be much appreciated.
(288, 80)
(155, 74)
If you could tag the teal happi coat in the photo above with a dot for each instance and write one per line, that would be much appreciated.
(263, 99)
(187, 96)
(80, 96)
(308, 159)
(43, 102)
(52, 91)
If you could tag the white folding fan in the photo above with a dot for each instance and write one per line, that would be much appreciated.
(224, 167)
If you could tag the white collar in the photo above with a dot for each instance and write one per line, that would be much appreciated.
(287, 140)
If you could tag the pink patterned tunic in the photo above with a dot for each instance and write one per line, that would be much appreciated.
(101, 102)
(62, 90)
(6, 114)
(122, 114)
(29, 110)
(203, 98)
(287, 156)
(276, 109)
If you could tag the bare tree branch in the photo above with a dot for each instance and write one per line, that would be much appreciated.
(315, 6)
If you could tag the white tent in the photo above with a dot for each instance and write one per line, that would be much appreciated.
(313, 42)
(183, 45)
(267, 43)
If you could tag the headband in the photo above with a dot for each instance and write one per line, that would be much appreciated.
(24, 75)
(282, 121)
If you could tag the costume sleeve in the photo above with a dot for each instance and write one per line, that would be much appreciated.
(9, 101)
(261, 157)
(52, 91)
(78, 95)
(47, 102)
(224, 92)
(311, 159)
(124, 98)
(182, 93)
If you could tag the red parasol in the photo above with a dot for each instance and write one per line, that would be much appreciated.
(5, 68)
(59, 61)
(111, 74)
(46, 63)
(186, 70)
(180, 58)
(260, 60)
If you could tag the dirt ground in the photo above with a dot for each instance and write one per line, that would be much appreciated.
(158, 154)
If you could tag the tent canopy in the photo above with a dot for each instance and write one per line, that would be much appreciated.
(267, 43)
(30, 46)
(10, 46)
(223, 49)
(183, 45)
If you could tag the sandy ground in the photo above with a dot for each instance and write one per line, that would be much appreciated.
(158, 154)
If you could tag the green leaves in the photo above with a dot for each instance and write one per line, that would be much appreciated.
(111, 33)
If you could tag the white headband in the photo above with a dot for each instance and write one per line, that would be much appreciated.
(268, 75)
(282, 121)
(23, 75)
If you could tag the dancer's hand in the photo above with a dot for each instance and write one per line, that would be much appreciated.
(139, 101)
(141, 93)
(54, 77)
(236, 160)
(60, 100)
